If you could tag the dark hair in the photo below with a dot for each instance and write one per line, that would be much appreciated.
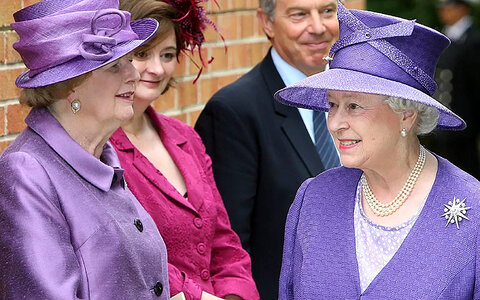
(165, 14)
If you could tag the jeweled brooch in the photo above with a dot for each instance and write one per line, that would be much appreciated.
(455, 211)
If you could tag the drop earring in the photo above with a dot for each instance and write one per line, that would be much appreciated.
(403, 132)
(75, 106)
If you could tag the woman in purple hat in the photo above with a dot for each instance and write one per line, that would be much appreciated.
(167, 169)
(70, 228)
(395, 221)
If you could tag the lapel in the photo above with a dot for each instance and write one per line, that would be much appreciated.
(178, 147)
(292, 124)
(430, 250)
(326, 226)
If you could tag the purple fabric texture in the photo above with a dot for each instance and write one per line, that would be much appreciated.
(377, 54)
(68, 222)
(433, 262)
(59, 41)
(376, 244)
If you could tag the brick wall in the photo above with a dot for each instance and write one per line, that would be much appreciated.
(235, 20)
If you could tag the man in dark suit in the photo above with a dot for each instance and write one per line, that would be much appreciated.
(458, 77)
(262, 150)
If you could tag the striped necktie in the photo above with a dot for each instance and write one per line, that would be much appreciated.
(323, 141)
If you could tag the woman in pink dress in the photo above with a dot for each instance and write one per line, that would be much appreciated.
(167, 169)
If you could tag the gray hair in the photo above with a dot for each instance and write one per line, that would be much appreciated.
(427, 115)
(268, 6)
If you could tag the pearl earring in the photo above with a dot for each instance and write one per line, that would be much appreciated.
(75, 106)
(403, 132)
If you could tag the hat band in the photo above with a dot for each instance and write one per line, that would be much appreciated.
(375, 37)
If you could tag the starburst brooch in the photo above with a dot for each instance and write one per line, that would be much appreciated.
(455, 211)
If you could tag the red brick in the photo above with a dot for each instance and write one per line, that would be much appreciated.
(251, 4)
(247, 22)
(210, 33)
(16, 114)
(220, 61)
(239, 56)
(2, 117)
(228, 25)
(30, 2)
(355, 4)
(181, 68)
(259, 27)
(223, 81)
(165, 101)
(208, 87)
(4, 145)
(223, 4)
(239, 4)
(8, 89)
(2, 48)
(12, 55)
(196, 64)
(8, 8)
(181, 117)
(258, 51)
(194, 116)
(187, 94)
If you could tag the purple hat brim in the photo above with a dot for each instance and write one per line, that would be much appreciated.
(144, 28)
(310, 93)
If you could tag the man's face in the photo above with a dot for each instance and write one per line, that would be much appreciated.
(450, 13)
(302, 32)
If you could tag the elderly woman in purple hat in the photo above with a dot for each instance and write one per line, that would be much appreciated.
(168, 171)
(71, 229)
(395, 221)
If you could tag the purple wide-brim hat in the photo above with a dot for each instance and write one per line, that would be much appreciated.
(377, 54)
(63, 39)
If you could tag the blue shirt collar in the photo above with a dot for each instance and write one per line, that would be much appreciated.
(288, 73)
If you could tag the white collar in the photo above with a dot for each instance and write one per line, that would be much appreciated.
(455, 31)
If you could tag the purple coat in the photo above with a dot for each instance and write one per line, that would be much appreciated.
(434, 261)
(70, 228)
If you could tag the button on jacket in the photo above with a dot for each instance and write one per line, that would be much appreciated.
(70, 229)
(203, 251)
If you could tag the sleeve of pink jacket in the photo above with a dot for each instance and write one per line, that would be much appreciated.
(179, 282)
(230, 263)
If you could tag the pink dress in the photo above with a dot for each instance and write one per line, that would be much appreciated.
(204, 253)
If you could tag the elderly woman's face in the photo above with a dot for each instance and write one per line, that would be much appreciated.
(365, 129)
(106, 96)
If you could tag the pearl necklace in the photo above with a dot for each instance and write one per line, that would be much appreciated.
(386, 209)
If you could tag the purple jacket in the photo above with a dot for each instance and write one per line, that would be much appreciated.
(434, 261)
(70, 229)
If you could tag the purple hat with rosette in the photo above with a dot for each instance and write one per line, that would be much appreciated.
(377, 54)
(62, 39)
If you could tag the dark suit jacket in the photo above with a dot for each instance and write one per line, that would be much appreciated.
(458, 77)
(261, 154)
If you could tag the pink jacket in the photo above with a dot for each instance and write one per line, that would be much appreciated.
(204, 253)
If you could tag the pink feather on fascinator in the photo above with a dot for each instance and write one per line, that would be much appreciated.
(192, 23)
